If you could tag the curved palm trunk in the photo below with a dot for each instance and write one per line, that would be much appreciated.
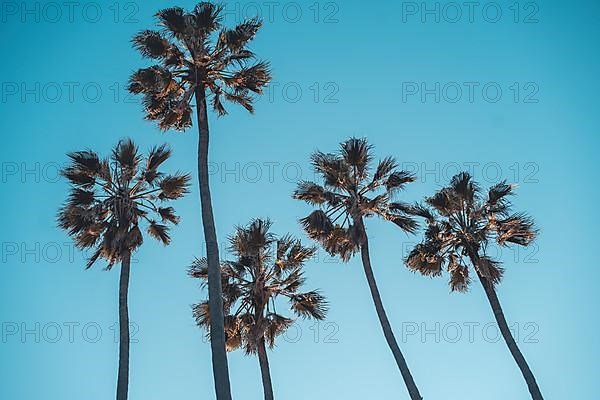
(383, 319)
(123, 376)
(215, 298)
(264, 370)
(508, 338)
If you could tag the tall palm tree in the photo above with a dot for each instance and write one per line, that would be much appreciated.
(109, 202)
(265, 269)
(196, 59)
(461, 223)
(351, 193)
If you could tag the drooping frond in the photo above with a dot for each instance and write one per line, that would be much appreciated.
(167, 214)
(489, 269)
(201, 314)
(159, 232)
(425, 260)
(459, 274)
(276, 325)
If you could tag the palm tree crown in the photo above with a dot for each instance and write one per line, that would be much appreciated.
(110, 197)
(187, 61)
(461, 222)
(265, 269)
(352, 191)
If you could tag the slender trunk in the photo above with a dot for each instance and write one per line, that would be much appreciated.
(413, 391)
(264, 369)
(215, 298)
(488, 287)
(123, 377)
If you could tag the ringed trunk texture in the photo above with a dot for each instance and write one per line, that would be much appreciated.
(508, 338)
(123, 376)
(264, 370)
(215, 298)
(413, 391)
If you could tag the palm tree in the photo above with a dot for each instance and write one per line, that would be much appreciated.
(460, 226)
(265, 269)
(109, 201)
(351, 193)
(191, 67)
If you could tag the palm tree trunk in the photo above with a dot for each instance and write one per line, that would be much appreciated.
(264, 369)
(508, 338)
(215, 298)
(123, 376)
(383, 319)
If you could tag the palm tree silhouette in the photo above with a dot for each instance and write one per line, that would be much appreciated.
(265, 269)
(190, 67)
(109, 200)
(349, 195)
(460, 225)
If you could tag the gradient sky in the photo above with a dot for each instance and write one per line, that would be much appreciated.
(340, 69)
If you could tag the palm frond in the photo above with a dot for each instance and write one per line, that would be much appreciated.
(315, 194)
(207, 17)
(199, 269)
(173, 187)
(159, 232)
(151, 44)
(309, 305)
(317, 225)
(489, 269)
(276, 325)
(464, 187)
(157, 156)
(253, 78)
(237, 38)
(357, 153)
(397, 180)
(86, 162)
(517, 228)
(173, 20)
(459, 274)
(167, 214)
(425, 260)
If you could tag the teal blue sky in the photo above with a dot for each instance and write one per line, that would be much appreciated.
(340, 69)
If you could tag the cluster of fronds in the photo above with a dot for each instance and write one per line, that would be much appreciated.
(109, 199)
(351, 190)
(189, 63)
(461, 222)
(265, 268)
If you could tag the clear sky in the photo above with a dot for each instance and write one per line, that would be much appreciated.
(505, 90)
